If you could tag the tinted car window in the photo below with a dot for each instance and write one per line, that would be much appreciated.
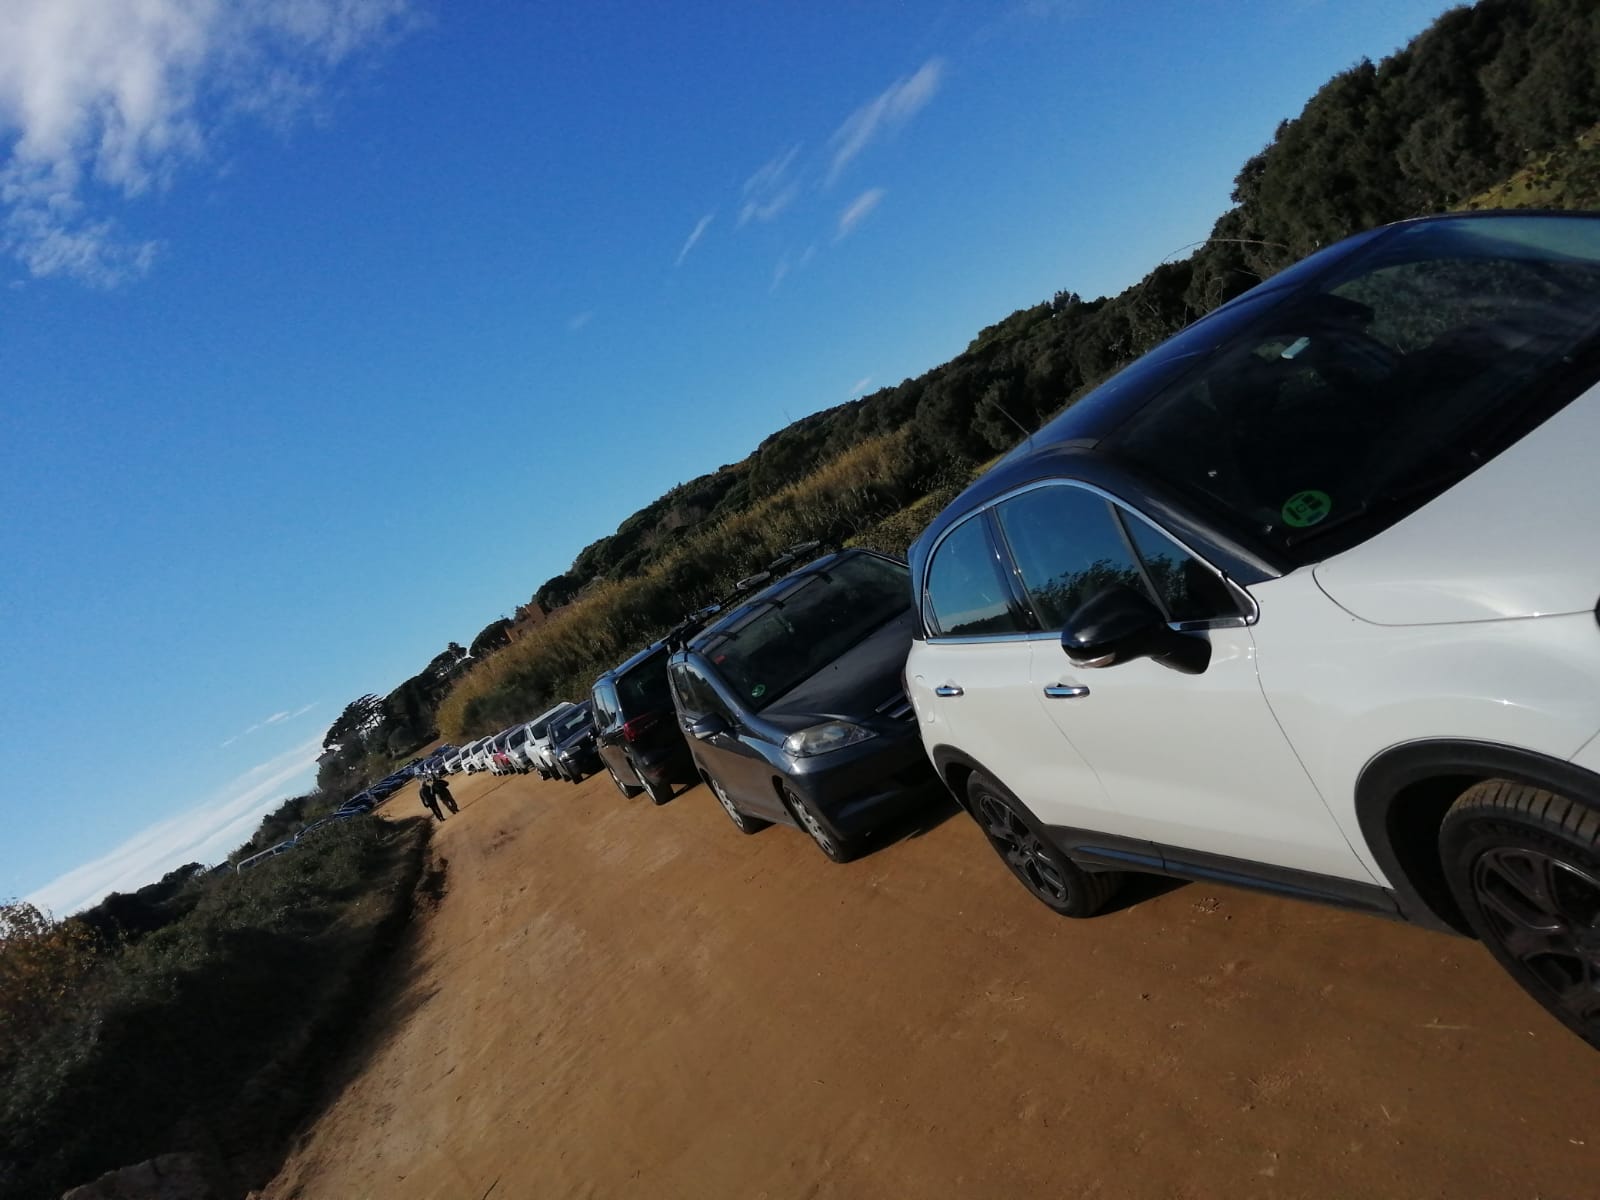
(968, 596)
(789, 637)
(644, 688)
(604, 704)
(1388, 379)
(694, 694)
(1189, 590)
(1067, 548)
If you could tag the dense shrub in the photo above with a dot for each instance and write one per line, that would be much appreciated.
(191, 1038)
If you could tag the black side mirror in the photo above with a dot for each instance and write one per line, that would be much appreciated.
(707, 727)
(1120, 623)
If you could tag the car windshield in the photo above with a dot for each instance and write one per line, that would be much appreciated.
(787, 640)
(568, 722)
(1384, 381)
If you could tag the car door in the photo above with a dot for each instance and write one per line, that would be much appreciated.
(971, 678)
(733, 757)
(1195, 762)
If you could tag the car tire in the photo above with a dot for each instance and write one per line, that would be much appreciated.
(659, 793)
(743, 822)
(628, 792)
(1015, 834)
(1524, 865)
(836, 848)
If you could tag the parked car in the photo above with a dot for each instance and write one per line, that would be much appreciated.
(473, 758)
(795, 707)
(640, 744)
(573, 750)
(1305, 600)
(499, 761)
(538, 743)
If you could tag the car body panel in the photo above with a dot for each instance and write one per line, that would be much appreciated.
(1476, 553)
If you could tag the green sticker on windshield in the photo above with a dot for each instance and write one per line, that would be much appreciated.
(1306, 508)
(758, 691)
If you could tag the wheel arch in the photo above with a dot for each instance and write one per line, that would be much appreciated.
(1403, 793)
(954, 767)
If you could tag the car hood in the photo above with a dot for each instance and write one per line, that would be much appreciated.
(854, 685)
(1514, 539)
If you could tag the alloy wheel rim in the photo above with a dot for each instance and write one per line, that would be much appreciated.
(1544, 912)
(1029, 858)
(810, 824)
(722, 799)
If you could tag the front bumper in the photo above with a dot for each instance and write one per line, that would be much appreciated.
(862, 787)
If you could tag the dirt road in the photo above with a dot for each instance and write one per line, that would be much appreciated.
(615, 1000)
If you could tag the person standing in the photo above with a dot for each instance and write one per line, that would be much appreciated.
(441, 794)
(430, 800)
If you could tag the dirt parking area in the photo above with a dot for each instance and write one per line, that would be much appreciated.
(610, 999)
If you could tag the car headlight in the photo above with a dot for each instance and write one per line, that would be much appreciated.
(820, 739)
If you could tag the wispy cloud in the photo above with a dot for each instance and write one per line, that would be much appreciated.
(904, 99)
(205, 833)
(781, 271)
(276, 718)
(699, 231)
(770, 190)
(100, 100)
(860, 386)
(578, 320)
(857, 211)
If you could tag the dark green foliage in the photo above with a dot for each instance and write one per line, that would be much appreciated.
(205, 1035)
(491, 637)
(127, 917)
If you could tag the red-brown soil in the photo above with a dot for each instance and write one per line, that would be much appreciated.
(610, 999)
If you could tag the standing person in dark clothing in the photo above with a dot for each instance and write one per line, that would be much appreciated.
(430, 800)
(441, 793)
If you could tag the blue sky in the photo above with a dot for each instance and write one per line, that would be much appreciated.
(330, 330)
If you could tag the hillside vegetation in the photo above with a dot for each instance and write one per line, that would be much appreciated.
(207, 1027)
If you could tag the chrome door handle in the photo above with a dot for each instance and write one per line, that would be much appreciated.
(948, 689)
(1065, 691)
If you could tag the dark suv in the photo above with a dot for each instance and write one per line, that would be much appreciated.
(795, 706)
(640, 744)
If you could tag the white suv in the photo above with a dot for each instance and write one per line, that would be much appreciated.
(1305, 600)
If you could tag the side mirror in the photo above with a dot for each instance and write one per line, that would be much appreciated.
(707, 727)
(1121, 623)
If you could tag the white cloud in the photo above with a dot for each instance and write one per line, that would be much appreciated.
(770, 190)
(860, 386)
(699, 231)
(884, 114)
(276, 718)
(578, 320)
(205, 833)
(100, 100)
(857, 211)
(780, 272)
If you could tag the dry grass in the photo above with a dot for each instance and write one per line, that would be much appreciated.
(842, 500)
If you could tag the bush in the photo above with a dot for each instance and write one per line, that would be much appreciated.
(195, 1037)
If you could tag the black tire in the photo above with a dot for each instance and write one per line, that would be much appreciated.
(659, 793)
(743, 822)
(1524, 865)
(837, 849)
(1015, 834)
(626, 790)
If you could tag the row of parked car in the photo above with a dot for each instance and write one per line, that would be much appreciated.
(1305, 600)
(558, 744)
